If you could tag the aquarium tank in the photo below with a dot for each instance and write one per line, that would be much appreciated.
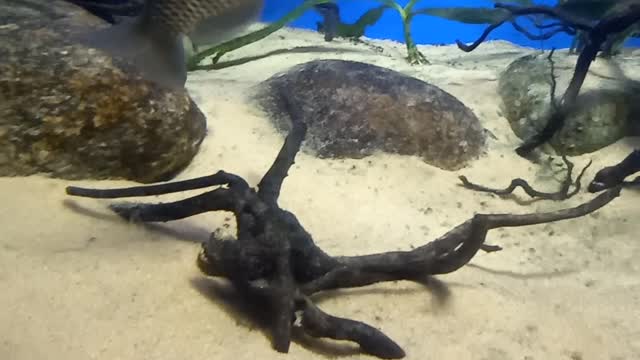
(320, 179)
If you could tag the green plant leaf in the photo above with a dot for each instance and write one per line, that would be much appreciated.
(394, 5)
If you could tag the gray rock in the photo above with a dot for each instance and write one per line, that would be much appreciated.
(75, 113)
(605, 109)
(353, 109)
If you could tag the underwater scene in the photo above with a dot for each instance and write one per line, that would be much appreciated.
(318, 179)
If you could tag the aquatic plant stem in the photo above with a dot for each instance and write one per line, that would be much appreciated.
(219, 50)
(414, 56)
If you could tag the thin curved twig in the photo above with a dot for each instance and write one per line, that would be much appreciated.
(563, 193)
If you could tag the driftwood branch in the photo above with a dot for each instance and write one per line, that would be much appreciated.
(615, 175)
(565, 191)
(275, 259)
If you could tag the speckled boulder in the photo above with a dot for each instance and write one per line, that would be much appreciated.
(606, 107)
(353, 109)
(74, 113)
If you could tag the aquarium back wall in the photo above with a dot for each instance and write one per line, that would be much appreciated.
(425, 29)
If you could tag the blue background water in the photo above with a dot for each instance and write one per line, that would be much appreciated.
(425, 29)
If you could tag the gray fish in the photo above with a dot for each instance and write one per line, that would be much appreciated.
(153, 40)
(218, 29)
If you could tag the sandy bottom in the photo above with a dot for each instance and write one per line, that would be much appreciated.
(79, 283)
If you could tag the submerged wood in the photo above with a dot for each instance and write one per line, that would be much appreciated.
(275, 259)
(615, 175)
(565, 191)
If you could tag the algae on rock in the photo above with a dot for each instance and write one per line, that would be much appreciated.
(601, 116)
(354, 109)
(72, 112)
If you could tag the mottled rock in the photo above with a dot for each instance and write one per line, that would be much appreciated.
(353, 109)
(75, 113)
(605, 109)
